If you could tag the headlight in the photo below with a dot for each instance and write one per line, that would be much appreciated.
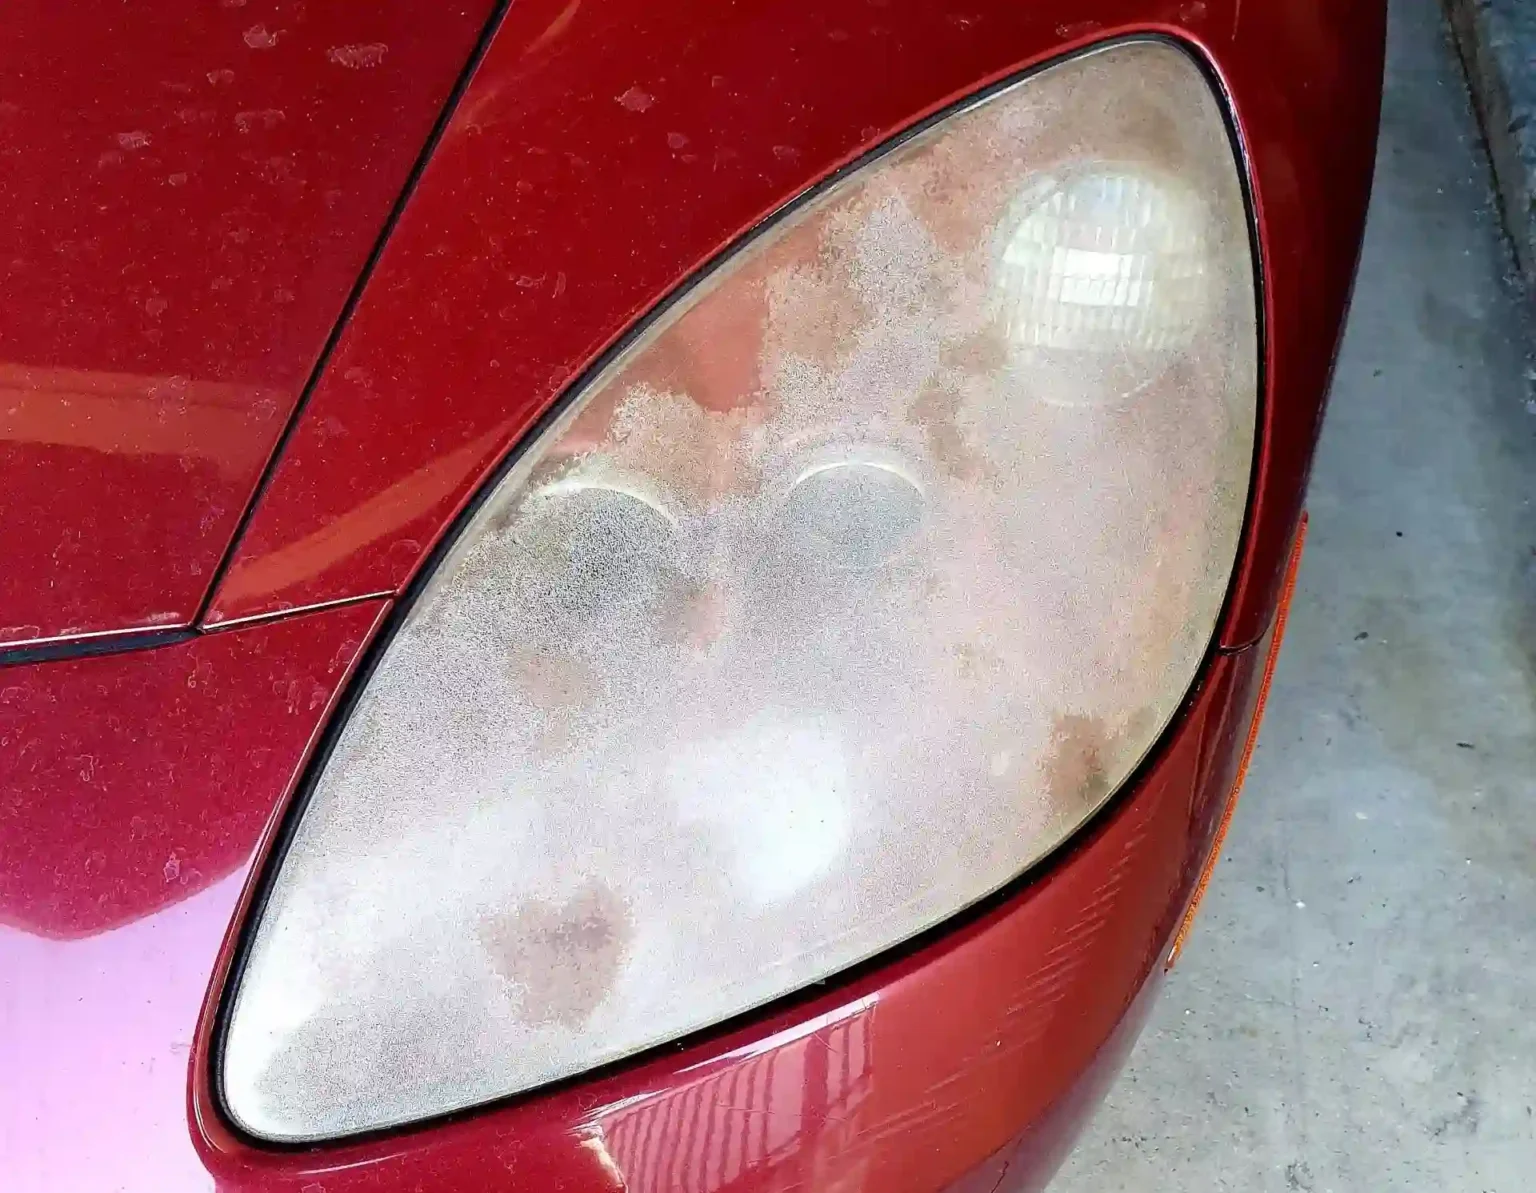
(844, 593)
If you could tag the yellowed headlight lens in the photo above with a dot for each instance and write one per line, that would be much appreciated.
(837, 599)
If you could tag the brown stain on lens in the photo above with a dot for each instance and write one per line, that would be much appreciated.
(1082, 751)
(982, 354)
(952, 185)
(554, 680)
(565, 956)
(934, 411)
(815, 309)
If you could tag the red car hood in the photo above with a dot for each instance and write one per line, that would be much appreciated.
(190, 191)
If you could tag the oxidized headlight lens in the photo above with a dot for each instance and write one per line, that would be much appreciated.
(846, 592)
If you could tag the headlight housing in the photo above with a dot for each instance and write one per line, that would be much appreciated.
(844, 593)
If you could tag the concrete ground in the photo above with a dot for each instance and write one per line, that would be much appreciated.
(1356, 1010)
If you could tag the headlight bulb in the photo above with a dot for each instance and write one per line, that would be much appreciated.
(1106, 274)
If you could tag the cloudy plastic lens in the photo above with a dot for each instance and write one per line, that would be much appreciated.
(852, 514)
(851, 588)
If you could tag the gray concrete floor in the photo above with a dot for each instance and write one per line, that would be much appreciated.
(1356, 1009)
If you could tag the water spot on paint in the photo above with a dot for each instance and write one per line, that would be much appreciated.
(263, 120)
(636, 100)
(358, 57)
(1073, 29)
(280, 170)
(259, 37)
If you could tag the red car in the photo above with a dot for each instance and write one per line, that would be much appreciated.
(603, 596)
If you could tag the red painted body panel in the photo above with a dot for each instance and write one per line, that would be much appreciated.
(604, 151)
(133, 791)
(189, 190)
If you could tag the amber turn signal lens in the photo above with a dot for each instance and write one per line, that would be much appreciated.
(1277, 635)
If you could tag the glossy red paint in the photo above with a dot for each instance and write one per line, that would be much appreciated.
(604, 151)
(133, 791)
(905, 1079)
(189, 190)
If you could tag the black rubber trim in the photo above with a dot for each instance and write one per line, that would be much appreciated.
(271, 865)
(354, 297)
(79, 648)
